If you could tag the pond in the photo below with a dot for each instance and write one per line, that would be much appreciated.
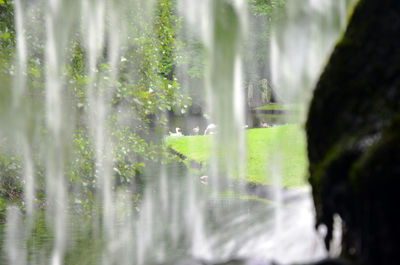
(240, 227)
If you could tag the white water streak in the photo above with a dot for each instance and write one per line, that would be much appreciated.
(21, 53)
(239, 115)
(94, 31)
(15, 238)
(55, 188)
(29, 185)
(301, 47)
(19, 94)
(299, 50)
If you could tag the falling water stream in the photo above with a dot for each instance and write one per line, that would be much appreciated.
(179, 219)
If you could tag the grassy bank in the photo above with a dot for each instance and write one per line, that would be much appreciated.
(270, 152)
(280, 107)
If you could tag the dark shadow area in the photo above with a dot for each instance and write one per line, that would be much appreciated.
(354, 149)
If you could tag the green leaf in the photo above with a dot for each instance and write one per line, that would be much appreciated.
(5, 35)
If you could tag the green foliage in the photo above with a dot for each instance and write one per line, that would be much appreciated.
(7, 36)
(145, 89)
(166, 25)
(3, 209)
(266, 7)
(11, 177)
(148, 83)
(129, 153)
(83, 160)
(10, 182)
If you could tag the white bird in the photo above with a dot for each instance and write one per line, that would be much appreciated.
(177, 133)
(196, 130)
(211, 129)
(204, 180)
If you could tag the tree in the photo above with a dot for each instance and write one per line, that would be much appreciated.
(145, 89)
(263, 15)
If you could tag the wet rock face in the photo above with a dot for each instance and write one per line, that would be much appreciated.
(353, 132)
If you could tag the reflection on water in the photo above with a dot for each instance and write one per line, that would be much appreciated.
(235, 228)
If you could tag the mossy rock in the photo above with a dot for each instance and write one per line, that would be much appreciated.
(353, 132)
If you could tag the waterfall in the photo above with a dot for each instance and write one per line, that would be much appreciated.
(56, 118)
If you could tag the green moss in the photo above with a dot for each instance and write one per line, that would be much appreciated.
(353, 134)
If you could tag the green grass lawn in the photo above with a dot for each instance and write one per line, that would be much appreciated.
(279, 106)
(277, 118)
(270, 152)
(196, 148)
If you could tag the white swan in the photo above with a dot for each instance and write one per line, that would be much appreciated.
(177, 132)
(196, 130)
(211, 129)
